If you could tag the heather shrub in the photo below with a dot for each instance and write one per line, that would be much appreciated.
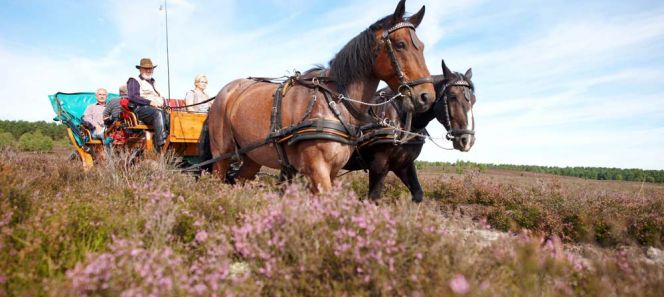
(146, 229)
(579, 215)
(449, 192)
(575, 228)
(499, 218)
(131, 269)
(648, 230)
(35, 142)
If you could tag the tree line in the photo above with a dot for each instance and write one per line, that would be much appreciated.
(17, 128)
(31, 136)
(597, 173)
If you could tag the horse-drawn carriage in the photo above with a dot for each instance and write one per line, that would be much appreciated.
(321, 121)
(127, 133)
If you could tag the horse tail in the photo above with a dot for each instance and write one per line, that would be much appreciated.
(204, 150)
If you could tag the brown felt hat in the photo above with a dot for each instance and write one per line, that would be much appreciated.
(145, 63)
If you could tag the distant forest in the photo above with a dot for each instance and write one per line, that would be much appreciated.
(598, 173)
(18, 128)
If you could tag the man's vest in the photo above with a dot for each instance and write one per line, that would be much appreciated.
(148, 91)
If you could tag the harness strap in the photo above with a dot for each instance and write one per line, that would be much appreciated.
(318, 82)
(287, 169)
(420, 81)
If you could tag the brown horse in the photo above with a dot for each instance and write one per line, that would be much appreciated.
(240, 118)
(455, 93)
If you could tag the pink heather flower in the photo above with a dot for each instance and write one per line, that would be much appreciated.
(3, 279)
(459, 285)
(200, 289)
(201, 236)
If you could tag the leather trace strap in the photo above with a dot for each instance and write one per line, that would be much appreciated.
(333, 96)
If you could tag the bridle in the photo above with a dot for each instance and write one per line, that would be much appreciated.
(451, 132)
(404, 85)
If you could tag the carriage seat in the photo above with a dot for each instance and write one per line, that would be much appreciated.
(131, 121)
(129, 118)
(87, 135)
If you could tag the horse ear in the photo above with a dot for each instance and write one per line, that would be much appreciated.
(399, 12)
(469, 73)
(446, 71)
(416, 19)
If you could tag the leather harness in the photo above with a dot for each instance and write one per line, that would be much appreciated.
(324, 129)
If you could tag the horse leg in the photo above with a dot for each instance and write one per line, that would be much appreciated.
(248, 170)
(220, 168)
(408, 175)
(319, 177)
(377, 172)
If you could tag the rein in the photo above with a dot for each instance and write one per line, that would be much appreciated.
(195, 104)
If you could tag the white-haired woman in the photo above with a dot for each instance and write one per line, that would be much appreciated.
(198, 95)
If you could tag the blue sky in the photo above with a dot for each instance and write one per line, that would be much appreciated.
(563, 83)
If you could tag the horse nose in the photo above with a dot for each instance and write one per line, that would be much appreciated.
(466, 142)
(464, 139)
(424, 98)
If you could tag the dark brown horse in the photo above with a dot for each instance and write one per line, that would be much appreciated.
(455, 97)
(244, 114)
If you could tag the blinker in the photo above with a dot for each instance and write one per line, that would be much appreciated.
(467, 94)
(415, 40)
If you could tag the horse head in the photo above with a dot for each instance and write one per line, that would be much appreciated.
(454, 108)
(400, 59)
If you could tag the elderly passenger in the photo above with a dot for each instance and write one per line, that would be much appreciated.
(94, 114)
(113, 108)
(197, 95)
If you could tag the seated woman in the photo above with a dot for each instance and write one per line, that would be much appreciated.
(197, 95)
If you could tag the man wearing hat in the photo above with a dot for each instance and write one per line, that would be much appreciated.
(145, 101)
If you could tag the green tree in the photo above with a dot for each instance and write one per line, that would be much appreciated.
(6, 139)
(35, 142)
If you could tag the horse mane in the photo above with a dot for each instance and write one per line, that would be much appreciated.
(314, 71)
(356, 59)
(438, 83)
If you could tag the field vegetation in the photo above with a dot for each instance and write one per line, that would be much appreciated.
(598, 173)
(149, 230)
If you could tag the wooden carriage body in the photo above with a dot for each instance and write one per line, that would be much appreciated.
(185, 129)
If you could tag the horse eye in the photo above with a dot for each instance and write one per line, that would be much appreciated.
(401, 45)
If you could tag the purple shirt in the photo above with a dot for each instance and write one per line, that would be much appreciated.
(134, 91)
